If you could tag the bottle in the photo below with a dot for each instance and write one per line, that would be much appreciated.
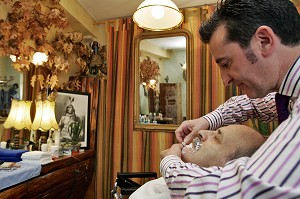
(143, 119)
(150, 117)
(56, 138)
(140, 118)
(49, 142)
(154, 118)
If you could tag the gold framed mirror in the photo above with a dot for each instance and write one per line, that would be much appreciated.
(163, 64)
(11, 84)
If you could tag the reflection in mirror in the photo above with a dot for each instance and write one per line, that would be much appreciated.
(11, 85)
(164, 97)
(162, 62)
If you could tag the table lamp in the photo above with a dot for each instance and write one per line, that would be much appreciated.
(44, 119)
(18, 118)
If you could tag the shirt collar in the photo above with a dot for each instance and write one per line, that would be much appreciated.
(290, 85)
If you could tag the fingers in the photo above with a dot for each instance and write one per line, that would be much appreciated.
(176, 147)
(174, 150)
(189, 129)
(182, 131)
(179, 133)
(163, 153)
(189, 138)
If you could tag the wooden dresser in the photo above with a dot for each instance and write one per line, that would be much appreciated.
(66, 177)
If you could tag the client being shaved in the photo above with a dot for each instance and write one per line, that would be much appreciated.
(209, 152)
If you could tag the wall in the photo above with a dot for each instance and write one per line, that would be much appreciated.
(173, 70)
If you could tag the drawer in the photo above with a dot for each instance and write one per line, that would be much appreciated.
(62, 179)
(81, 185)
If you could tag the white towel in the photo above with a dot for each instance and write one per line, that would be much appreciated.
(154, 189)
(41, 161)
(35, 155)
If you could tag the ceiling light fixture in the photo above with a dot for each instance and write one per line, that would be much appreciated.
(158, 15)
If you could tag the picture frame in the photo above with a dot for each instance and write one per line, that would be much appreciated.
(65, 101)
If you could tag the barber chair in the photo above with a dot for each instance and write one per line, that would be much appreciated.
(125, 186)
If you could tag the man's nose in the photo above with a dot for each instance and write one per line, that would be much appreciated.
(204, 134)
(226, 78)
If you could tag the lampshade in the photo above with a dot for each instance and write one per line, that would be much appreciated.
(44, 118)
(19, 115)
(158, 15)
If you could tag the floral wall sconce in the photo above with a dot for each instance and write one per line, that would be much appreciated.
(149, 72)
(5, 79)
(39, 58)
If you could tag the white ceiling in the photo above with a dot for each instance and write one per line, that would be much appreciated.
(101, 10)
(170, 42)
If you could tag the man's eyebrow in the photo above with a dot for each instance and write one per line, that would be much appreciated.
(220, 59)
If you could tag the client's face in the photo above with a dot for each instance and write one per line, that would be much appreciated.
(218, 146)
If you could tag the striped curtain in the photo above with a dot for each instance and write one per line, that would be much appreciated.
(115, 121)
(208, 91)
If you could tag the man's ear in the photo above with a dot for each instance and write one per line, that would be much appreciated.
(266, 39)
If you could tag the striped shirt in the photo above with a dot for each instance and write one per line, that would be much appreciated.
(239, 109)
(272, 172)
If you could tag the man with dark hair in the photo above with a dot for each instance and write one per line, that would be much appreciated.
(256, 44)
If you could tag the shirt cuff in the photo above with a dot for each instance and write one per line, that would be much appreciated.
(214, 119)
(166, 162)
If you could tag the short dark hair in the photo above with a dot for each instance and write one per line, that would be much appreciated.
(242, 18)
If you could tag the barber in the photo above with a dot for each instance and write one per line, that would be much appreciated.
(256, 44)
(236, 110)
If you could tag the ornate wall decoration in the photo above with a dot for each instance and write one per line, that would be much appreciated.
(149, 70)
(29, 28)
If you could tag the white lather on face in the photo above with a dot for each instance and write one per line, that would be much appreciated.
(194, 146)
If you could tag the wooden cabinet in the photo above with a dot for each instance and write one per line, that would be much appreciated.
(66, 177)
(170, 102)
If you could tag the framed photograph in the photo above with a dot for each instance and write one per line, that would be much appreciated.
(72, 110)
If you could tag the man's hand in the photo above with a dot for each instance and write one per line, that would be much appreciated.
(189, 129)
(174, 150)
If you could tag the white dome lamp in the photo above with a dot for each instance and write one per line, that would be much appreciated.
(158, 15)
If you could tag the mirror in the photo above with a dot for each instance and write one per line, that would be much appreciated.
(163, 61)
(11, 84)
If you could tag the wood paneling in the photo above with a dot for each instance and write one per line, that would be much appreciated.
(66, 177)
